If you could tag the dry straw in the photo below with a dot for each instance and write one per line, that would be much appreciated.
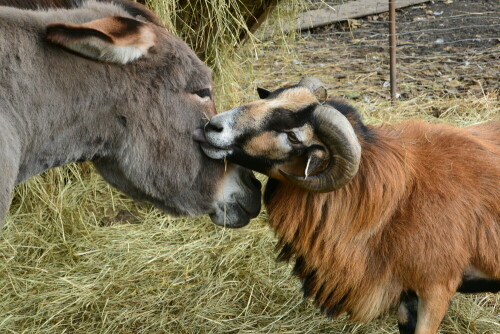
(78, 257)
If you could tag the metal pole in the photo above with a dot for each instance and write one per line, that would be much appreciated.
(392, 47)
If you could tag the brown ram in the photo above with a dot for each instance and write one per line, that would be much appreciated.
(373, 216)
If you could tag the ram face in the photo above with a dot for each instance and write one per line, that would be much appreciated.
(291, 134)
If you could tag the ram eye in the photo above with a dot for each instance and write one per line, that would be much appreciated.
(292, 137)
(203, 93)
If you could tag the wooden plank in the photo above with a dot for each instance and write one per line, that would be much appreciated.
(350, 10)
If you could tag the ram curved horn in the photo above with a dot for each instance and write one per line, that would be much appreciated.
(335, 131)
(315, 86)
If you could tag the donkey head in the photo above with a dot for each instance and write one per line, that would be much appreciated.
(136, 93)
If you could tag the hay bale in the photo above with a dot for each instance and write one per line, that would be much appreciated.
(204, 25)
(217, 30)
(211, 27)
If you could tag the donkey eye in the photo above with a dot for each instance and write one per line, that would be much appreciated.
(203, 93)
(292, 137)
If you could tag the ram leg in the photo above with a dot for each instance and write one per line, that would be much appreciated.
(432, 307)
(479, 285)
(407, 312)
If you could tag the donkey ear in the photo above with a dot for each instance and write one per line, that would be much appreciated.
(263, 93)
(111, 39)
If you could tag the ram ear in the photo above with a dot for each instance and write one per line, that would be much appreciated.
(263, 93)
(112, 39)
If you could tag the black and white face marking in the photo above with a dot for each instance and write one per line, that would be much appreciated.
(264, 135)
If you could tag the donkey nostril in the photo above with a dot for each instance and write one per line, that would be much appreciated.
(210, 126)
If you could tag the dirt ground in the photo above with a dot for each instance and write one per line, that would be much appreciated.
(446, 49)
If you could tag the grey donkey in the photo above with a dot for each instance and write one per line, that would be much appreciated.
(105, 82)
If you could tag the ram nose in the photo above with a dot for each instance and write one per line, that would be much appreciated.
(207, 148)
(221, 131)
(240, 199)
(214, 125)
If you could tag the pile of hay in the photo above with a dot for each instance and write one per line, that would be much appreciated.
(217, 30)
(76, 256)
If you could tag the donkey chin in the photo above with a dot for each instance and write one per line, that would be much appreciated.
(238, 200)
